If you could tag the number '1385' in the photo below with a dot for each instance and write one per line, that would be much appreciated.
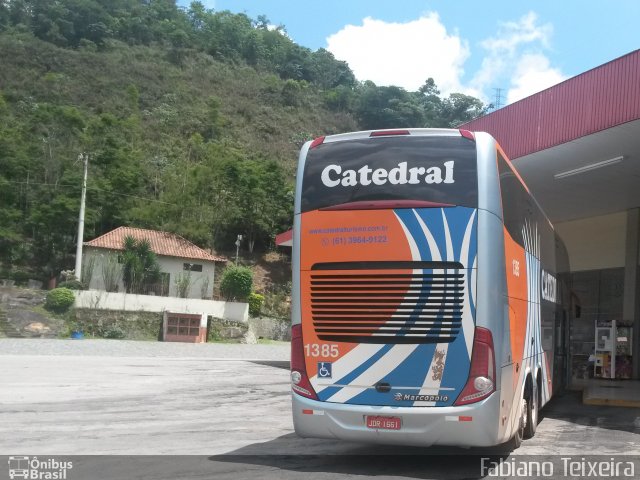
(324, 350)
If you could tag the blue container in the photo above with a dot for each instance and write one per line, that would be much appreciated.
(76, 335)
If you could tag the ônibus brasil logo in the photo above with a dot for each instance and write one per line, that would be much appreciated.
(35, 469)
(333, 175)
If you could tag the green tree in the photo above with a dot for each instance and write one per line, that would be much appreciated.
(4, 16)
(431, 104)
(236, 283)
(328, 73)
(459, 108)
(194, 130)
(387, 107)
(262, 201)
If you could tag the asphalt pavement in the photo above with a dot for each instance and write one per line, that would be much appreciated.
(223, 411)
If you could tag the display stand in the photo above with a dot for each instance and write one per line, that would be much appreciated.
(612, 351)
(605, 354)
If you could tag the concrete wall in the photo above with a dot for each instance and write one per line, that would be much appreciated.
(101, 300)
(595, 243)
(201, 282)
(271, 328)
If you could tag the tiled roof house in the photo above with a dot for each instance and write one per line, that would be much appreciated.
(162, 243)
(177, 257)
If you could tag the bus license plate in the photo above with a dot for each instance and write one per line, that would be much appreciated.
(383, 423)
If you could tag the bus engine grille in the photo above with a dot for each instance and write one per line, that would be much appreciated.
(387, 302)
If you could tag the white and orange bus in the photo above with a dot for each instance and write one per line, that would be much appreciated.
(426, 296)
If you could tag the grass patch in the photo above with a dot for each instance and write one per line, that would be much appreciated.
(267, 341)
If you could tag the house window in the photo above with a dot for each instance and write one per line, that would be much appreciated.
(192, 267)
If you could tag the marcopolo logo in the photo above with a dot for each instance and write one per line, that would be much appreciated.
(333, 175)
(36, 469)
(419, 398)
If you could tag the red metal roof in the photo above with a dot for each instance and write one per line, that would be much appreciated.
(593, 101)
(162, 243)
(285, 239)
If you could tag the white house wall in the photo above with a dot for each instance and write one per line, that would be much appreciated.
(171, 265)
(175, 267)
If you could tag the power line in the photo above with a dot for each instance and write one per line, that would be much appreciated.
(90, 188)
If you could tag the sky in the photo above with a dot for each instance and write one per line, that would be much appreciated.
(496, 50)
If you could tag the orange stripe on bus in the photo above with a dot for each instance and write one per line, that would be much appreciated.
(517, 291)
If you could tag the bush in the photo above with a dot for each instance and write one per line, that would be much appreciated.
(277, 301)
(236, 283)
(59, 300)
(72, 285)
(255, 304)
(114, 331)
(21, 277)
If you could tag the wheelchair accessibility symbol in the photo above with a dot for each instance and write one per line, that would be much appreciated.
(324, 369)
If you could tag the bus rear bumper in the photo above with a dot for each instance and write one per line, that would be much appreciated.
(475, 425)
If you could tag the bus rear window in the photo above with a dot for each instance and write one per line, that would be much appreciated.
(419, 168)
(423, 168)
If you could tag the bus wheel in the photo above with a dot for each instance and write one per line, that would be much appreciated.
(516, 440)
(532, 412)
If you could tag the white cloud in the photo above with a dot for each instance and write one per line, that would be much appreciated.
(516, 54)
(533, 74)
(406, 54)
(512, 35)
(403, 54)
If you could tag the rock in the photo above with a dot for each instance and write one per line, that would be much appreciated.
(37, 327)
(34, 284)
(249, 338)
(230, 332)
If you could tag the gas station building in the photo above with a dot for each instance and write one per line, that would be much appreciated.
(577, 146)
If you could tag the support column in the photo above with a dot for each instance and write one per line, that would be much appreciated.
(630, 307)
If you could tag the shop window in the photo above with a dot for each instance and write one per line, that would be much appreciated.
(599, 295)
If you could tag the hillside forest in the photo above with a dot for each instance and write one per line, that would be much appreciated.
(192, 120)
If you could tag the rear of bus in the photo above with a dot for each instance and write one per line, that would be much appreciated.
(388, 342)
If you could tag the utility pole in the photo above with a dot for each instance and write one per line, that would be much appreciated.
(78, 271)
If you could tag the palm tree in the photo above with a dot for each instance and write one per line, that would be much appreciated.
(140, 265)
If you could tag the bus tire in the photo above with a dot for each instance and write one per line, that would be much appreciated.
(533, 408)
(516, 440)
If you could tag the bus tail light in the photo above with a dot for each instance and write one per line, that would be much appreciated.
(316, 143)
(467, 134)
(389, 133)
(299, 380)
(482, 374)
